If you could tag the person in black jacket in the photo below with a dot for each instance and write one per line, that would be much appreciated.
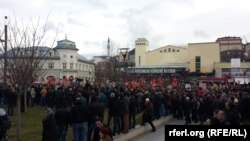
(5, 124)
(96, 109)
(111, 107)
(62, 116)
(79, 118)
(49, 126)
(117, 115)
(148, 114)
(132, 106)
(187, 110)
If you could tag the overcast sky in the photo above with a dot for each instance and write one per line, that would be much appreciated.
(90, 22)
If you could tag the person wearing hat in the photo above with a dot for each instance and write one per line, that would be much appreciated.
(148, 114)
(49, 126)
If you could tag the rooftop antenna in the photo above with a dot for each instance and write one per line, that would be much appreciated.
(65, 36)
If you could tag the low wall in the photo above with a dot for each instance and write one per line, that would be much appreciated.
(142, 129)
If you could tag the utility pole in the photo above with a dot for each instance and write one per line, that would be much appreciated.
(5, 49)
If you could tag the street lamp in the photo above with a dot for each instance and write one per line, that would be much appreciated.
(124, 53)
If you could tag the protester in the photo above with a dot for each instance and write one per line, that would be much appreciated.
(49, 126)
(148, 114)
(100, 127)
(104, 134)
(5, 124)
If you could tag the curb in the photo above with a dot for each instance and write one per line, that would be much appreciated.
(143, 129)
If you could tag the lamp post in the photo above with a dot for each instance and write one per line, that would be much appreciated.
(5, 48)
(124, 53)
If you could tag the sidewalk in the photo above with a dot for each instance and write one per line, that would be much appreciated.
(141, 129)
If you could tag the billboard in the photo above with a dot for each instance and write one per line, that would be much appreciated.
(235, 63)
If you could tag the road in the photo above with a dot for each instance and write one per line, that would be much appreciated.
(159, 134)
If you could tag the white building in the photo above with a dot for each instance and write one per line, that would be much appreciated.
(67, 62)
(64, 61)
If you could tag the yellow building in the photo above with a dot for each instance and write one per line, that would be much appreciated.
(195, 57)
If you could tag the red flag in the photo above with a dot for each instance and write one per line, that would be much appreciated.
(133, 84)
(160, 81)
(152, 83)
(142, 81)
(174, 82)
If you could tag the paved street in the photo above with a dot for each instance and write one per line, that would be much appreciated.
(159, 134)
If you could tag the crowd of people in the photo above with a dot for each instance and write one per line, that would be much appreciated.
(83, 108)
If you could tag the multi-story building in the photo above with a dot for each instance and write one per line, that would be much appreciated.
(226, 56)
(194, 57)
(65, 62)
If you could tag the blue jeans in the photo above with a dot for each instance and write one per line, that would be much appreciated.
(162, 110)
(62, 132)
(79, 131)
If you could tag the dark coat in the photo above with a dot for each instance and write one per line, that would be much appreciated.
(148, 112)
(125, 105)
(49, 129)
(96, 110)
(62, 116)
(79, 113)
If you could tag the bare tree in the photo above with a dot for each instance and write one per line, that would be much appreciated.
(26, 57)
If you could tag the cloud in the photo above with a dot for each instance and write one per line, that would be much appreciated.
(90, 22)
(137, 25)
(72, 20)
(201, 34)
(51, 26)
(91, 43)
(97, 3)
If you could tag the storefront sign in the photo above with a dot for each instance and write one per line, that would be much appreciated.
(154, 70)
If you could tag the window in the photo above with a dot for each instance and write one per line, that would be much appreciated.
(71, 56)
(165, 50)
(177, 50)
(169, 49)
(51, 65)
(80, 66)
(64, 65)
(173, 50)
(197, 64)
(160, 51)
(71, 65)
(197, 59)
(76, 66)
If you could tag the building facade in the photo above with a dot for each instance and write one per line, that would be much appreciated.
(68, 63)
(195, 57)
(216, 57)
(63, 63)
